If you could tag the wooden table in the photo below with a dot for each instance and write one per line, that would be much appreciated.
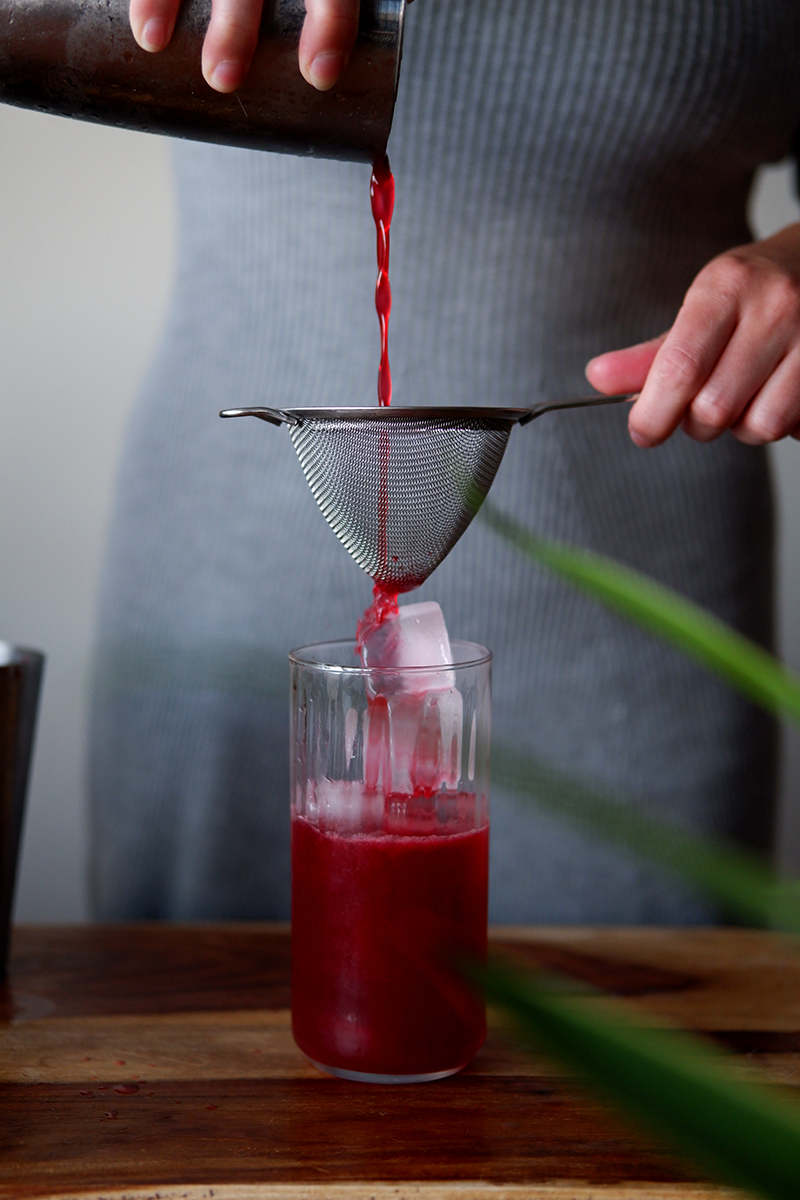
(157, 1061)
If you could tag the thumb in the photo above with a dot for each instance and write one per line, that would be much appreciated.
(623, 370)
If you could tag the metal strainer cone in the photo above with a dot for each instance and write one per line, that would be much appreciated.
(399, 486)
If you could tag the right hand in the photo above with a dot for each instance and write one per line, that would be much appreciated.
(328, 37)
(731, 360)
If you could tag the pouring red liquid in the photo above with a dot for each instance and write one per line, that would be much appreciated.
(381, 191)
(379, 913)
(382, 196)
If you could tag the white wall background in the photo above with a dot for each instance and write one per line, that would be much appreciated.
(86, 250)
(86, 243)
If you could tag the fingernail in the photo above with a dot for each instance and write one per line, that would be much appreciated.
(154, 34)
(325, 69)
(638, 440)
(226, 76)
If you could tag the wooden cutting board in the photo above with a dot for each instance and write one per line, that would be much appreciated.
(157, 1061)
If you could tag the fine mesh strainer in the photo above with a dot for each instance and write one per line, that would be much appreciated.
(398, 486)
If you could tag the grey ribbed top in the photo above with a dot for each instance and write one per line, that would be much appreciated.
(563, 170)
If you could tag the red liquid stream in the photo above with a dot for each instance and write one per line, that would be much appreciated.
(378, 914)
(384, 604)
(382, 196)
(381, 193)
(376, 917)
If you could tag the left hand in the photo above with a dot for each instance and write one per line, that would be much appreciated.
(730, 361)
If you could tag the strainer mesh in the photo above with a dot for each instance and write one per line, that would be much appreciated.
(399, 494)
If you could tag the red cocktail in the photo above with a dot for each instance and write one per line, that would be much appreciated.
(389, 890)
(377, 918)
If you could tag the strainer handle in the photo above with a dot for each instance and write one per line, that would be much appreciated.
(587, 402)
(275, 416)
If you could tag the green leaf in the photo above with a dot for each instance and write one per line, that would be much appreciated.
(675, 1085)
(680, 1088)
(659, 609)
(740, 882)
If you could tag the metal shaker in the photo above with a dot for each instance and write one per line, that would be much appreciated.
(20, 679)
(78, 58)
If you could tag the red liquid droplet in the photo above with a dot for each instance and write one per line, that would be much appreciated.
(384, 604)
(382, 196)
(126, 1089)
(119, 1062)
(211, 1107)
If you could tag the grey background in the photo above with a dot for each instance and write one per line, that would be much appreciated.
(86, 246)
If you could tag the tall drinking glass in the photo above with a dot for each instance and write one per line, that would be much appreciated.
(390, 861)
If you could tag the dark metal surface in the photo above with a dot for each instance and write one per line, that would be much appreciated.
(20, 679)
(78, 58)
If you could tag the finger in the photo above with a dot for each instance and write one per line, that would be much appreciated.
(623, 370)
(230, 42)
(743, 369)
(774, 413)
(684, 362)
(328, 37)
(760, 348)
(152, 22)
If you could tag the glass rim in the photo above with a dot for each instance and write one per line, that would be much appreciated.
(300, 656)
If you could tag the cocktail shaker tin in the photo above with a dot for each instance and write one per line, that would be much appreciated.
(78, 58)
(20, 682)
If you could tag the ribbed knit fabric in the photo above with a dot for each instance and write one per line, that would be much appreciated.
(564, 168)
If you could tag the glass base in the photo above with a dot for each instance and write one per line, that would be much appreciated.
(368, 1077)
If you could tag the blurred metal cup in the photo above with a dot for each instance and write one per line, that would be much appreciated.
(20, 680)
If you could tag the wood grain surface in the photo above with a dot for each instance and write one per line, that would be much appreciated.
(157, 1061)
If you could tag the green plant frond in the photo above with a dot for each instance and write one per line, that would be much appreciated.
(665, 612)
(677, 1086)
(740, 882)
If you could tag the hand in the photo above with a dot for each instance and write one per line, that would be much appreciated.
(730, 361)
(329, 34)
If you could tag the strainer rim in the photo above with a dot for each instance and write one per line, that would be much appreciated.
(450, 412)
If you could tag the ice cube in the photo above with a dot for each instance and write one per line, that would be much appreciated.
(413, 736)
(416, 636)
(450, 705)
(340, 805)
(425, 741)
